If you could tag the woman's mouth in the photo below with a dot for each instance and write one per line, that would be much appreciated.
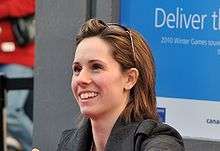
(87, 95)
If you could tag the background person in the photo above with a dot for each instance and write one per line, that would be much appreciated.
(16, 61)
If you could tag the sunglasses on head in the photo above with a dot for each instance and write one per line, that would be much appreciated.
(127, 30)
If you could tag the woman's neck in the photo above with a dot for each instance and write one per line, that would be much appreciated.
(101, 129)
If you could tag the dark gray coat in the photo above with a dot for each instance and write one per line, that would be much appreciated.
(147, 135)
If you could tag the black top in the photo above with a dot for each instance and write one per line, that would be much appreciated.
(146, 135)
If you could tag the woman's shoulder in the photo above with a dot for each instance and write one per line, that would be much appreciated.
(68, 133)
(66, 136)
(151, 127)
(157, 135)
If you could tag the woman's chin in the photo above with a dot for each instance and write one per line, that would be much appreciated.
(90, 114)
(87, 113)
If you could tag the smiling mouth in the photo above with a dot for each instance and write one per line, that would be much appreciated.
(88, 95)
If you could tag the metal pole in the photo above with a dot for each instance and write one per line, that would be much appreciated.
(91, 9)
(2, 114)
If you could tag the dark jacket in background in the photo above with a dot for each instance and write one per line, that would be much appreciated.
(147, 135)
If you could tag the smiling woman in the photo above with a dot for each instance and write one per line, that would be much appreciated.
(113, 82)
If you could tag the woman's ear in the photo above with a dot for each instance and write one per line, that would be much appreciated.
(131, 78)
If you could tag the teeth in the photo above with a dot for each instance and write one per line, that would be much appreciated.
(87, 95)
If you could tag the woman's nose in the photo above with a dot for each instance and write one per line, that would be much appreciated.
(84, 78)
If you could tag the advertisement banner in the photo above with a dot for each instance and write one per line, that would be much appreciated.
(185, 40)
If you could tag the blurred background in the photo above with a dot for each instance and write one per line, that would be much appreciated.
(17, 46)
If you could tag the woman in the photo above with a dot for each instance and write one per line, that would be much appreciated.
(114, 85)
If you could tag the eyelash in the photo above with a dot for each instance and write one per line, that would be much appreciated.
(94, 67)
(77, 68)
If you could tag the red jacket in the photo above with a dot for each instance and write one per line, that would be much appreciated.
(10, 52)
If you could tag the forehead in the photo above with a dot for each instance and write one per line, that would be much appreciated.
(93, 48)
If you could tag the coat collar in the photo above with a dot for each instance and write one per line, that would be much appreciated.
(121, 136)
(84, 138)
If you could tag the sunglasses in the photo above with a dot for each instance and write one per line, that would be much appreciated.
(126, 30)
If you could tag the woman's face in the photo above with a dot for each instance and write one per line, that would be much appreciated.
(97, 81)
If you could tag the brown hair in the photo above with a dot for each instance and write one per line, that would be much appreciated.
(142, 99)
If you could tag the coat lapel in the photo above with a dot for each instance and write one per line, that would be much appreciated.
(122, 136)
(120, 139)
(83, 138)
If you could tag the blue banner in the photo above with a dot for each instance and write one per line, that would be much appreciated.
(185, 40)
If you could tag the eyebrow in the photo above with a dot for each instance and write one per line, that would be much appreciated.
(96, 60)
(91, 61)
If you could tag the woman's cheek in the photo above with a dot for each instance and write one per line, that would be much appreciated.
(101, 80)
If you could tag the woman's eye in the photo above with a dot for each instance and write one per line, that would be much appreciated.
(76, 69)
(97, 67)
